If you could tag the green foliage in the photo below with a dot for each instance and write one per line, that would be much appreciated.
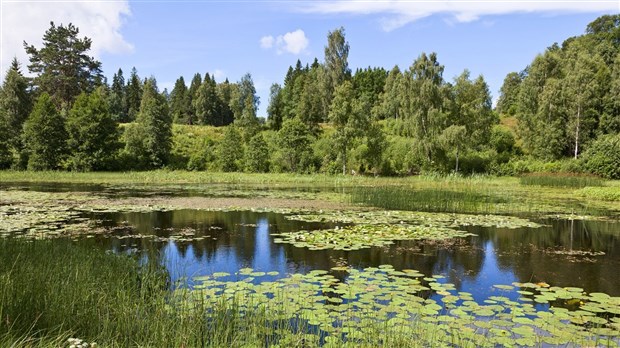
(603, 157)
(244, 104)
(469, 200)
(564, 180)
(257, 155)
(118, 97)
(45, 136)
(207, 103)
(350, 117)
(63, 68)
(93, 135)
(336, 61)
(294, 142)
(230, 150)
(150, 140)
(133, 94)
(509, 94)
(178, 101)
(275, 110)
(16, 104)
(6, 157)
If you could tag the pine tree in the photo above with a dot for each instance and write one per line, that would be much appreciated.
(45, 136)
(62, 65)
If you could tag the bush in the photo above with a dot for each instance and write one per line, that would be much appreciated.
(603, 157)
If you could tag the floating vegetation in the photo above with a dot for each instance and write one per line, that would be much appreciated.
(378, 228)
(364, 236)
(417, 218)
(376, 305)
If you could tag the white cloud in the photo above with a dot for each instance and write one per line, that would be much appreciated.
(219, 75)
(294, 42)
(267, 41)
(100, 21)
(399, 13)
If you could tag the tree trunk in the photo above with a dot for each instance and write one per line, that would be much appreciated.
(577, 131)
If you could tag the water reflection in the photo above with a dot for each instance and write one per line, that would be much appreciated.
(564, 253)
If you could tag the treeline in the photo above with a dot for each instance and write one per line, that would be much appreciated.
(323, 118)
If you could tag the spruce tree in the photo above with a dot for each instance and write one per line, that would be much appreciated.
(15, 102)
(134, 95)
(154, 126)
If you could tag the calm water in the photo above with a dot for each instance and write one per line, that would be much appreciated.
(564, 253)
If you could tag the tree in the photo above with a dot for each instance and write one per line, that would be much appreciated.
(582, 85)
(118, 99)
(154, 127)
(422, 101)
(244, 104)
(207, 103)
(275, 109)
(6, 157)
(93, 135)
(349, 116)
(336, 59)
(45, 136)
(454, 137)
(230, 151)
(390, 99)
(62, 65)
(16, 105)
(178, 101)
(192, 93)
(509, 94)
(134, 95)
(257, 155)
(294, 139)
(472, 108)
(224, 94)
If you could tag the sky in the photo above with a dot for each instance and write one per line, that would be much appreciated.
(227, 39)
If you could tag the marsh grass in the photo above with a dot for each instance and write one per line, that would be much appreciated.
(468, 200)
(567, 181)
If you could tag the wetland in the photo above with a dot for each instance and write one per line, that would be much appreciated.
(445, 261)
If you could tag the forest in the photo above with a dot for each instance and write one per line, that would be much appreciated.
(561, 113)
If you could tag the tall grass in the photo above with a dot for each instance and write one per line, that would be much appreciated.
(569, 181)
(51, 291)
(427, 200)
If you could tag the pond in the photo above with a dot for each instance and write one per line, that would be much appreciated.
(331, 270)
(192, 243)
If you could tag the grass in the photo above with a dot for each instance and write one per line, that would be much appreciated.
(428, 200)
(470, 194)
(569, 181)
(54, 291)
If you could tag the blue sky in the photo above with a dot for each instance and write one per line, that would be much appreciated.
(168, 39)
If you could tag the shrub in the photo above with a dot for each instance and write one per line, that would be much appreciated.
(603, 157)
